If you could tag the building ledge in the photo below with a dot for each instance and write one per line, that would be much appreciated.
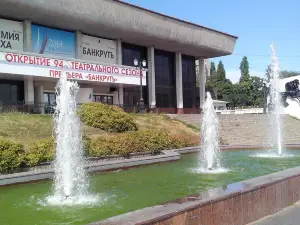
(119, 20)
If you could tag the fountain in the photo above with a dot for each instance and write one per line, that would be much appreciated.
(275, 120)
(275, 99)
(210, 156)
(71, 183)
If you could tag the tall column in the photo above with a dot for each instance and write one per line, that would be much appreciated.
(28, 90)
(78, 44)
(121, 96)
(119, 62)
(39, 98)
(27, 36)
(179, 93)
(119, 52)
(151, 77)
(202, 82)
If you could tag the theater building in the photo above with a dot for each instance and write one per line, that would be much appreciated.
(95, 42)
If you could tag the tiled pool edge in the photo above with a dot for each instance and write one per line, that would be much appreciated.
(239, 203)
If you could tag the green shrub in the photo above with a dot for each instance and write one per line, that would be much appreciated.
(40, 151)
(152, 141)
(11, 155)
(44, 151)
(86, 144)
(186, 140)
(106, 117)
(100, 147)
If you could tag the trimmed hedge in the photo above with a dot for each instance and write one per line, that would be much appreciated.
(40, 151)
(152, 141)
(44, 151)
(11, 155)
(106, 117)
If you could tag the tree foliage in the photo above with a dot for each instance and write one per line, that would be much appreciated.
(269, 72)
(212, 69)
(244, 67)
(221, 74)
(247, 92)
(286, 73)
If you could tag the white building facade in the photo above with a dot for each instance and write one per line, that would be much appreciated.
(95, 43)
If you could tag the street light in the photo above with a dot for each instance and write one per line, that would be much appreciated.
(264, 95)
(140, 65)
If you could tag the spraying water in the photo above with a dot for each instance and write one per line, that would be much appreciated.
(70, 180)
(275, 99)
(210, 156)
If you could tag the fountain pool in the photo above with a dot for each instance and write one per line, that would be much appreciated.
(128, 190)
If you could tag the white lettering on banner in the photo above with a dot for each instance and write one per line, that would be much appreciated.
(11, 35)
(95, 49)
(50, 67)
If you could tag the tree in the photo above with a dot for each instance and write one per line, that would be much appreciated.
(212, 69)
(221, 74)
(269, 73)
(216, 80)
(244, 67)
(286, 73)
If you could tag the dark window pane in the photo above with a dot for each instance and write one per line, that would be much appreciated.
(11, 92)
(52, 98)
(14, 93)
(110, 100)
(130, 52)
(189, 82)
(46, 98)
(164, 79)
(5, 93)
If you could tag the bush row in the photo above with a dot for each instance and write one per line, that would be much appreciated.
(150, 141)
(13, 156)
(106, 117)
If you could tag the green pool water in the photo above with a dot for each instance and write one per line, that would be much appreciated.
(129, 190)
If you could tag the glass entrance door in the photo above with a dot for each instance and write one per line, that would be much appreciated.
(105, 99)
(49, 102)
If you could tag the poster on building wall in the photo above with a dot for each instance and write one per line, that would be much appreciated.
(50, 41)
(11, 35)
(28, 64)
(98, 49)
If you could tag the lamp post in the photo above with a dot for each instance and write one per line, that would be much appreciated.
(264, 96)
(140, 65)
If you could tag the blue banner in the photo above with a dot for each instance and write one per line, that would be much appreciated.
(50, 41)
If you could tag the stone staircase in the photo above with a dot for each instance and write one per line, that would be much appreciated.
(247, 129)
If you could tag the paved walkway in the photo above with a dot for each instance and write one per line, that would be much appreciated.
(288, 216)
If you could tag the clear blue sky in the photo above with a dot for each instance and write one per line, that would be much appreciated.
(257, 23)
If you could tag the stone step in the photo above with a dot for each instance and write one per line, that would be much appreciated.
(247, 128)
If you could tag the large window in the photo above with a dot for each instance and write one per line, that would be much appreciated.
(49, 102)
(129, 53)
(106, 99)
(189, 82)
(49, 98)
(165, 79)
(11, 92)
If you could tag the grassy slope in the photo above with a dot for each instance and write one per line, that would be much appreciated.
(26, 129)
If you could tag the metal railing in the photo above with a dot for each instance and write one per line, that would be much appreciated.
(42, 107)
(46, 108)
